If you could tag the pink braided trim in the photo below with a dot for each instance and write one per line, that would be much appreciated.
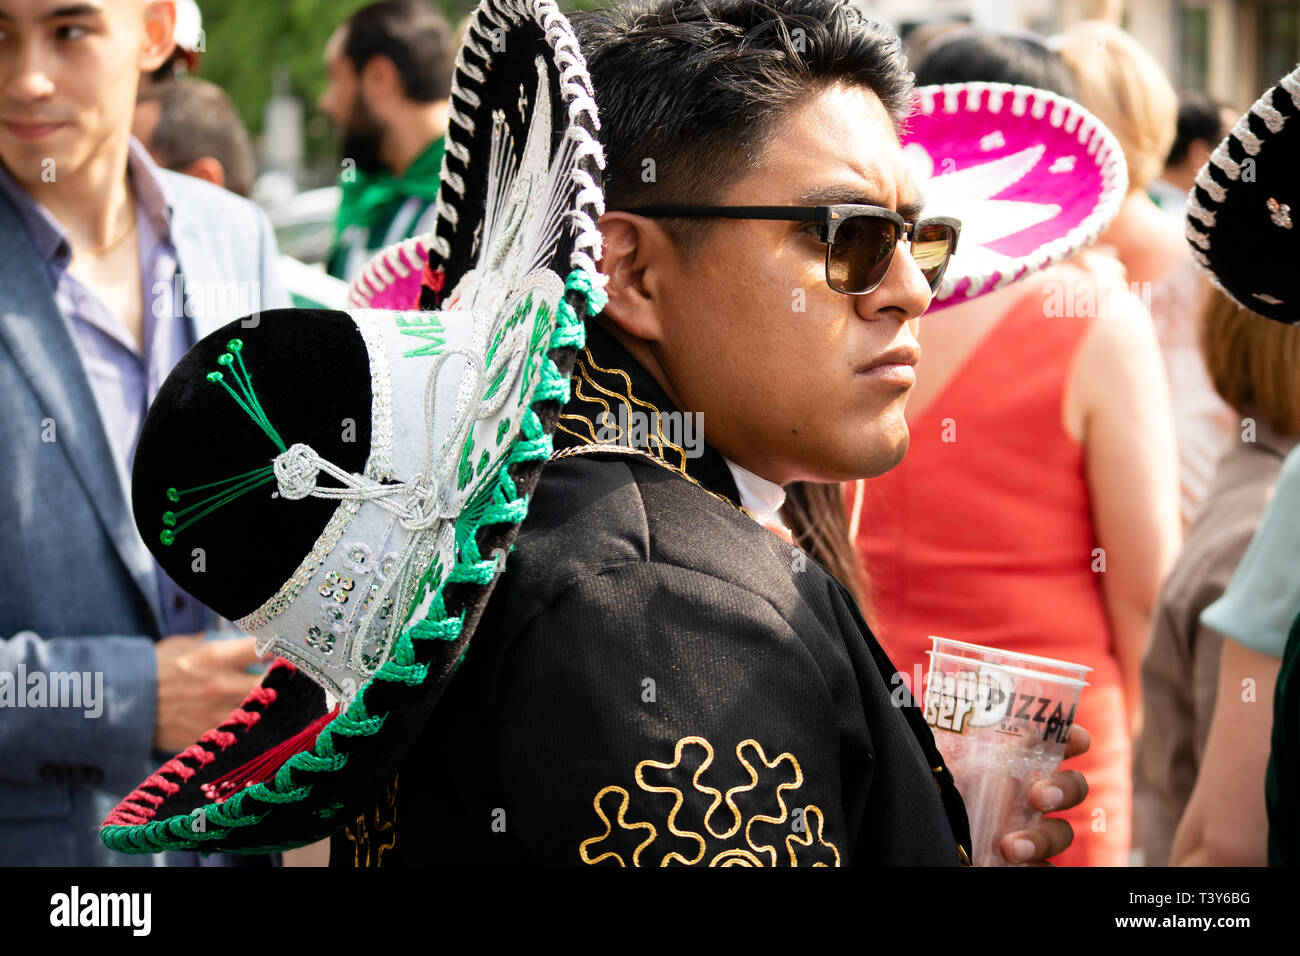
(140, 806)
(261, 695)
(221, 738)
(129, 814)
(158, 782)
(245, 718)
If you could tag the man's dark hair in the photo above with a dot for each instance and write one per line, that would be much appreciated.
(982, 56)
(414, 36)
(198, 119)
(1199, 117)
(698, 87)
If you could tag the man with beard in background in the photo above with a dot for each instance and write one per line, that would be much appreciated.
(389, 69)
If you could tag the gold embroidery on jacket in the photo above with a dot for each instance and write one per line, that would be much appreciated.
(373, 827)
(591, 443)
(583, 380)
(737, 838)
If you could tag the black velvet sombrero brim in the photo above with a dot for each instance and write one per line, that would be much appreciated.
(284, 771)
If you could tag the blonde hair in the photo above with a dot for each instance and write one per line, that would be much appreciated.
(1126, 88)
(1253, 362)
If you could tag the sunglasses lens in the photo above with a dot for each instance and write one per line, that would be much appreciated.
(859, 257)
(931, 247)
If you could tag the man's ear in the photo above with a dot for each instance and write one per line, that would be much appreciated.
(208, 169)
(639, 258)
(380, 83)
(159, 34)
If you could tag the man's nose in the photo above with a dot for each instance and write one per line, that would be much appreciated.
(904, 293)
(28, 77)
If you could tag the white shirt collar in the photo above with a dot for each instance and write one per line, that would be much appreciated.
(762, 498)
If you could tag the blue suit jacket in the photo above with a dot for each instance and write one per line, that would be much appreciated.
(78, 591)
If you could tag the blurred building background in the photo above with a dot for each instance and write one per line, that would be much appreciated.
(1231, 49)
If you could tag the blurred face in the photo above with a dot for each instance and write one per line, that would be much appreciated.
(69, 71)
(797, 381)
(344, 101)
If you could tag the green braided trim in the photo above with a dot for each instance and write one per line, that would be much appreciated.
(508, 506)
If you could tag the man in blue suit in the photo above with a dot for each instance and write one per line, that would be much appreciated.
(109, 270)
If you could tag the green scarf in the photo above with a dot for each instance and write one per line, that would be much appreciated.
(371, 200)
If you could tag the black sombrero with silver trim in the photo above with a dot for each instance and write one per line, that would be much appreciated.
(353, 480)
(1243, 214)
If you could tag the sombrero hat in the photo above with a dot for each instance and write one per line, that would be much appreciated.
(345, 485)
(1243, 214)
(1033, 177)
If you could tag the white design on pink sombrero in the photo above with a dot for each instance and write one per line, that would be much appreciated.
(1033, 177)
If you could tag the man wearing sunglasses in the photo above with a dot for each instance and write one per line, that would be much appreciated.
(660, 678)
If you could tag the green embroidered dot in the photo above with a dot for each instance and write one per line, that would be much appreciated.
(225, 359)
(167, 537)
(235, 345)
(502, 429)
(169, 519)
(173, 495)
(215, 376)
(484, 462)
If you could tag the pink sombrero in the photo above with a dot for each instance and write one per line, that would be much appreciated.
(1033, 177)
(392, 279)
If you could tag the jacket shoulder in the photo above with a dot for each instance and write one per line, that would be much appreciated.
(591, 513)
(191, 197)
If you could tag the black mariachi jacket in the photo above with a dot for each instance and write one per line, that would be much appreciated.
(660, 680)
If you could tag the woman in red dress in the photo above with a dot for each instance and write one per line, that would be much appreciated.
(1036, 509)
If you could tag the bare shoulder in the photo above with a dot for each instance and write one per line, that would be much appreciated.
(1121, 327)
(1118, 355)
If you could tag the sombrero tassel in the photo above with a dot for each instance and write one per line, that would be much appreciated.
(264, 767)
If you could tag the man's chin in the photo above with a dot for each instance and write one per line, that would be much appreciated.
(39, 162)
(27, 170)
(883, 455)
(868, 457)
(892, 458)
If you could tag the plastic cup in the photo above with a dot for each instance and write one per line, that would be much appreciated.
(1000, 719)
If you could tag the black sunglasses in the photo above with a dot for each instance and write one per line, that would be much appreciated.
(860, 240)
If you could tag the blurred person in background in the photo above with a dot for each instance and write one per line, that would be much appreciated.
(920, 38)
(1063, 444)
(972, 55)
(389, 78)
(1243, 809)
(1255, 365)
(1202, 124)
(191, 126)
(1245, 806)
(97, 247)
(1124, 86)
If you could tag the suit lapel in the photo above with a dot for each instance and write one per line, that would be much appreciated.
(40, 340)
(194, 261)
